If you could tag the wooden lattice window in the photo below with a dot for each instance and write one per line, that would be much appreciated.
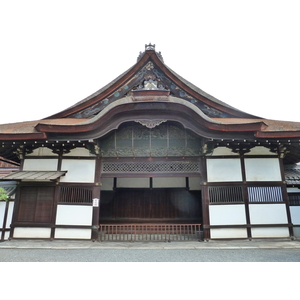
(151, 167)
(135, 140)
(294, 199)
(226, 194)
(265, 194)
(75, 195)
(36, 204)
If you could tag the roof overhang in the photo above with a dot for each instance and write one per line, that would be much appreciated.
(34, 175)
(130, 109)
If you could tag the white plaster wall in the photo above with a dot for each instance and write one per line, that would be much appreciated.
(260, 150)
(107, 184)
(42, 164)
(295, 214)
(2, 211)
(133, 182)
(42, 151)
(32, 232)
(194, 183)
(262, 169)
(223, 151)
(6, 235)
(293, 190)
(268, 214)
(72, 233)
(296, 231)
(224, 170)
(272, 232)
(74, 215)
(9, 214)
(80, 152)
(228, 233)
(79, 170)
(169, 182)
(227, 214)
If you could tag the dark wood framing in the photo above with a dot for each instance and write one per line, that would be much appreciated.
(245, 184)
(204, 186)
(214, 122)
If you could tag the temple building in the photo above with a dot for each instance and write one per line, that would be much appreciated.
(151, 151)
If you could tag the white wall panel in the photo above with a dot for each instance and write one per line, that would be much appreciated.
(228, 233)
(223, 151)
(2, 211)
(72, 233)
(295, 214)
(169, 182)
(32, 232)
(107, 184)
(10, 213)
(133, 182)
(74, 215)
(79, 152)
(268, 214)
(227, 214)
(272, 232)
(296, 231)
(260, 150)
(6, 235)
(79, 170)
(224, 170)
(42, 164)
(262, 169)
(42, 151)
(194, 183)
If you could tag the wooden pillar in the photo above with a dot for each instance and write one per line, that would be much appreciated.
(205, 200)
(96, 211)
(96, 200)
(246, 198)
(56, 195)
(285, 195)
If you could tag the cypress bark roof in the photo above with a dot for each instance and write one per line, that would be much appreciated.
(150, 90)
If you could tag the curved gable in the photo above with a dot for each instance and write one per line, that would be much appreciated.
(137, 109)
(150, 73)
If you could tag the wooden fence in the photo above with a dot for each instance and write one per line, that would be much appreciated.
(150, 232)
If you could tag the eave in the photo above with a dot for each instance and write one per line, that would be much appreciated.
(173, 110)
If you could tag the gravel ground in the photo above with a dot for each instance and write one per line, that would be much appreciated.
(149, 255)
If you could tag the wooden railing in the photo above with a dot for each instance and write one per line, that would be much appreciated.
(150, 232)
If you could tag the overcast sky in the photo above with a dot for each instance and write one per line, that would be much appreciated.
(55, 53)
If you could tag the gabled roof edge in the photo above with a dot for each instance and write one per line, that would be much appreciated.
(150, 53)
(103, 91)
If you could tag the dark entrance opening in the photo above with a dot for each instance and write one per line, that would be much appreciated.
(150, 205)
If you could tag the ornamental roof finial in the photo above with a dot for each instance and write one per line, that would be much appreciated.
(149, 47)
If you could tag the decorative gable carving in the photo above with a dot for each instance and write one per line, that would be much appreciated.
(149, 79)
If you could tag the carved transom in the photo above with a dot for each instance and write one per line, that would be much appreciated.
(150, 123)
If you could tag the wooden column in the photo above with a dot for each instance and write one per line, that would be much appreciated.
(205, 200)
(96, 200)
(285, 194)
(56, 195)
(246, 198)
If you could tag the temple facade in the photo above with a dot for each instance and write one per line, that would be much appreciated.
(150, 148)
